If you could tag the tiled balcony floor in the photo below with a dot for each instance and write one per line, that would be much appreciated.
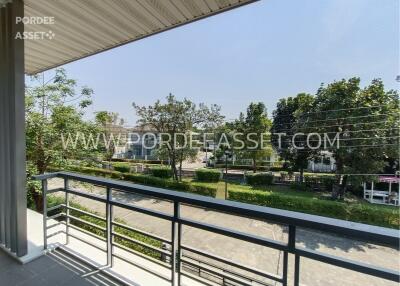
(56, 268)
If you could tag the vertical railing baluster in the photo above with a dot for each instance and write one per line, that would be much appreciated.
(175, 249)
(67, 212)
(109, 227)
(291, 248)
(292, 238)
(291, 245)
(179, 263)
(296, 270)
(285, 269)
(44, 197)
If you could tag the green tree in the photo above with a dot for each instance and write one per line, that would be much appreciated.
(174, 117)
(255, 127)
(367, 121)
(287, 122)
(112, 126)
(53, 107)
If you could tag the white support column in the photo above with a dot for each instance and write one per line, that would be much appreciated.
(13, 236)
(371, 195)
(365, 190)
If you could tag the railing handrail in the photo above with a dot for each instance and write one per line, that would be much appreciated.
(370, 233)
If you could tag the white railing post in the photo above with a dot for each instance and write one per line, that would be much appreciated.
(109, 218)
(67, 220)
(44, 195)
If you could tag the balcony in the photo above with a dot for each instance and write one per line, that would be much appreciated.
(132, 234)
(152, 236)
(56, 268)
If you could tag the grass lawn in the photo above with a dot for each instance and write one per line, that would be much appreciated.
(281, 189)
(284, 197)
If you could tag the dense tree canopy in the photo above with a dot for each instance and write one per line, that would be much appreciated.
(54, 108)
(254, 127)
(286, 124)
(358, 126)
(367, 120)
(174, 117)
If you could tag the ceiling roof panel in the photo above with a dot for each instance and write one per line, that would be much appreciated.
(83, 28)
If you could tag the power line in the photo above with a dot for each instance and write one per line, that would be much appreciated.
(345, 147)
(341, 118)
(368, 130)
(370, 146)
(354, 131)
(352, 174)
(343, 109)
(335, 110)
(336, 125)
(346, 139)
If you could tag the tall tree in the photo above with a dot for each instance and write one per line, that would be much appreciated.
(287, 127)
(367, 121)
(255, 127)
(112, 127)
(54, 107)
(174, 117)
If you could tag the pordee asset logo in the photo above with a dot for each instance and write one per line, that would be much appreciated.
(35, 35)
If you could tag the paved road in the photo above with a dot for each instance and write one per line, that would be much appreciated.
(312, 273)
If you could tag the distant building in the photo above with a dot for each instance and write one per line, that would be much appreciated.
(323, 163)
(140, 143)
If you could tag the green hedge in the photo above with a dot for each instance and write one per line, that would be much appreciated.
(170, 184)
(188, 187)
(149, 162)
(277, 169)
(259, 179)
(122, 167)
(315, 183)
(319, 182)
(242, 167)
(161, 172)
(358, 212)
(208, 175)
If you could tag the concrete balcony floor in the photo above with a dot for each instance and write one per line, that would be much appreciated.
(74, 264)
(55, 268)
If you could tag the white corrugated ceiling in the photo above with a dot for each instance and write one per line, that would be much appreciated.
(85, 27)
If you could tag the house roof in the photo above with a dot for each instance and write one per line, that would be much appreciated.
(77, 29)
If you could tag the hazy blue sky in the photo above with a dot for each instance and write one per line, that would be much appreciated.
(261, 52)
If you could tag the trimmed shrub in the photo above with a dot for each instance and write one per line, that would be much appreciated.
(122, 167)
(173, 185)
(319, 182)
(258, 179)
(188, 187)
(299, 187)
(208, 175)
(242, 167)
(358, 212)
(277, 169)
(150, 162)
(161, 172)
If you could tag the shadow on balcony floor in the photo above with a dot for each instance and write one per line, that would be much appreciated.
(55, 268)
